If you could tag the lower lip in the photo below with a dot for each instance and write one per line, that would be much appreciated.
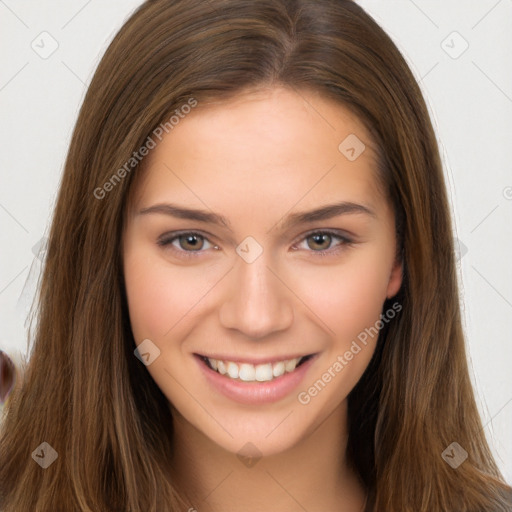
(256, 393)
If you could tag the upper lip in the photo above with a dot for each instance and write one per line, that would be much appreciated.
(255, 360)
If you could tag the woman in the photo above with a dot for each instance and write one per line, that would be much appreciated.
(195, 349)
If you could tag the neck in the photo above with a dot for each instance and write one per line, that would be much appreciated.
(312, 475)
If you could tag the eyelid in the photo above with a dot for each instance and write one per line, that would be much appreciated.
(346, 240)
(339, 233)
(167, 238)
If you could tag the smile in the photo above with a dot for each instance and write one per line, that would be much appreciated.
(255, 382)
(248, 372)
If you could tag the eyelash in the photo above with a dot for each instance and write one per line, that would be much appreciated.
(345, 242)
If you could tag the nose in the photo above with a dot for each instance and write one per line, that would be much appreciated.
(257, 302)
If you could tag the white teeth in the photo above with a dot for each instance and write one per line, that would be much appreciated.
(278, 369)
(290, 365)
(232, 370)
(250, 373)
(221, 367)
(247, 372)
(264, 372)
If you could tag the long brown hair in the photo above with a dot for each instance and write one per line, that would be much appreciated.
(85, 394)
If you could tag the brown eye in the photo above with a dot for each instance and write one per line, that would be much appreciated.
(191, 242)
(320, 239)
(321, 243)
(186, 244)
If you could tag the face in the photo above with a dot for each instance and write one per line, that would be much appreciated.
(252, 282)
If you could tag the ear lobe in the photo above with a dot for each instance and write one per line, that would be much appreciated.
(395, 279)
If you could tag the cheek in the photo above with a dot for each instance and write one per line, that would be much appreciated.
(158, 295)
(349, 297)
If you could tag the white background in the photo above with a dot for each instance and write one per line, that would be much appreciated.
(469, 94)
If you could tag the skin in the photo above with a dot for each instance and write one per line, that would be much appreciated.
(256, 159)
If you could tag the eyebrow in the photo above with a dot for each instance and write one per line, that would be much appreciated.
(325, 212)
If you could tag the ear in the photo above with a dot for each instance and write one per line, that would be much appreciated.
(395, 278)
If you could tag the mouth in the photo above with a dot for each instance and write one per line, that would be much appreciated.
(247, 372)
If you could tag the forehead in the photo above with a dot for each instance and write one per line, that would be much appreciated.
(275, 143)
